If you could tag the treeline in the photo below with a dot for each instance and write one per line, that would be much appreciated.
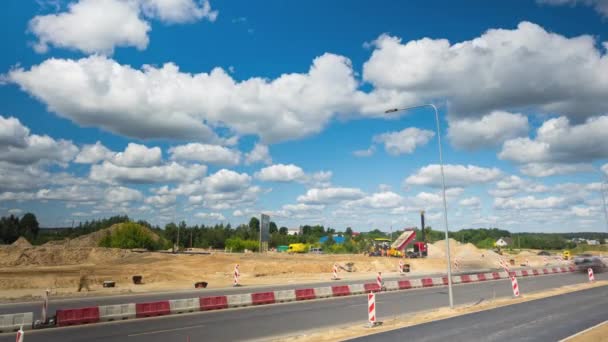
(12, 227)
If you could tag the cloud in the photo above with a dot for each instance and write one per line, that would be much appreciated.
(99, 26)
(530, 202)
(600, 6)
(365, 153)
(136, 155)
(605, 169)
(405, 141)
(330, 195)
(558, 141)
(553, 73)
(12, 132)
(489, 131)
(179, 11)
(163, 102)
(172, 172)
(17, 146)
(455, 175)
(379, 200)
(470, 202)
(92, 154)
(512, 185)
(259, 153)
(551, 169)
(211, 216)
(121, 194)
(281, 173)
(161, 201)
(211, 154)
(92, 26)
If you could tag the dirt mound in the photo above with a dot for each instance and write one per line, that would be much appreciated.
(59, 255)
(93, 239)
(22, 242)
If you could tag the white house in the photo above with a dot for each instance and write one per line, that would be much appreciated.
(294, 231)
(593, 242)
(503, 242)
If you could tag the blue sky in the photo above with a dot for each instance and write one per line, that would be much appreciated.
(214, 111)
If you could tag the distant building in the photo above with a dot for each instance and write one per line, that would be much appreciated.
(593, 242)
(337, 239)
(503, 242)
(294, 231)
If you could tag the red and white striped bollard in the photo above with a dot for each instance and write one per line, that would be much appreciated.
(591, 276)
(237, 274)
(335, 272)
(515, 287)
(401, 267)
(20, 334)
(371, 309)
(379, 280)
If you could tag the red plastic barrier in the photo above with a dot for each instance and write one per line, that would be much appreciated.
(572, 268)
(341, 290)
(427, 282)
(564, 269)
(524, 273)
(152, 309)
(481, 277)
(465, 279)
(555, 270)
(213, 303)
(512, 274)
(371, 287)
(495, 275)
(535, 272)
(545, 271)
(304, 294)
(77, 316)
(262, 298)
(445, 280)
(404, 284)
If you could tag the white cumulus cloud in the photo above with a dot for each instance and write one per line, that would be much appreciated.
(259, 153)
(204, 153)
(489, 131)
(455, 175)
(281, 173)
(330, 195)
(405, 141)
(91, 154)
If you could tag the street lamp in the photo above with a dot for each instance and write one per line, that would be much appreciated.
(445, 205)
(603, 191)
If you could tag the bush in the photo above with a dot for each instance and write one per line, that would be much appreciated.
(239, 245)
(131, 235)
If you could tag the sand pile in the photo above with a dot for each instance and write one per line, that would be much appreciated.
(22, 242)
(93, 239)
(58, 255)
(468, 255)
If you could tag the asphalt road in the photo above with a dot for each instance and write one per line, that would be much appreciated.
(277, 320)
(81, 302)
(548, 319)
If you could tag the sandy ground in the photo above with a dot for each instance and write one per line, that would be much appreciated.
(597, 334)
(347, 332)
(26, 271)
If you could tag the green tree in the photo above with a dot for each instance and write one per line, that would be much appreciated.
(348, 231)
(273, 227)
(254, 224)
(28, 226)
(283, 231)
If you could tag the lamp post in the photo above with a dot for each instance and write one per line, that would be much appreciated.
(445, 205)
(603, 191)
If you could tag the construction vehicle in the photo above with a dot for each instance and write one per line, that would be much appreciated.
(384, 247)
(566, 255)
(297, 248)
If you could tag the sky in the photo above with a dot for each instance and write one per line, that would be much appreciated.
(216, 111)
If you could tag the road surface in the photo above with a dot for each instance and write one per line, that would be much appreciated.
(548, 319)
(81, 302)
(269, 321)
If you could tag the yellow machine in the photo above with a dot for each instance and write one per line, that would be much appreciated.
(297, 248)
(566, 255)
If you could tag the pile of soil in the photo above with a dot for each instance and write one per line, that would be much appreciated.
(22, 242)
(93, 239)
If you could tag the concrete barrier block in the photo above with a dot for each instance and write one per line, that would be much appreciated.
(456, 280)
(239, 300)
(184, 305)
(285, 296)
(356, 288)
(519, 273)
(118, 312)
(322, 292)
(391, 285)
(503, 274)
(12, 322)
(438, 281)
(474, 278)
(416, 282)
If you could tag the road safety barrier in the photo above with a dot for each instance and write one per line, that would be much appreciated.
(261, 298)
(152, 309)
(213, 303)
(77, 316)
(427, 282)
(391, 285)
(12, 322)
(341, 290)
(239, 300)
(178, 306)
(305, 294)
(66, 317)
(284, 296)
(356, 288)
(108, 313)
(323, 292)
